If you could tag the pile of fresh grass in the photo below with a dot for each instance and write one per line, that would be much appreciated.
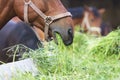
(56, 59)
(108, 45)
(77, 62)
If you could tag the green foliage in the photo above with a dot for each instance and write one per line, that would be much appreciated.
(86, 59)
(108, 45)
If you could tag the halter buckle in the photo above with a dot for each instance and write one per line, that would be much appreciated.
(48, 20)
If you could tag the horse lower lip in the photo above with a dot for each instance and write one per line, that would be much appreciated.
(67, 43)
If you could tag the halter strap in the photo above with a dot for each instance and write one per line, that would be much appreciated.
(90, 29)
(47, 19)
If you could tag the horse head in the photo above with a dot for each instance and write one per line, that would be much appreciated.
(48, 15)
(92, 20)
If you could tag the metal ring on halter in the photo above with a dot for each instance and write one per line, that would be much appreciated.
(48, 20)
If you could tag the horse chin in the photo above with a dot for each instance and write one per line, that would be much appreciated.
(68, 42)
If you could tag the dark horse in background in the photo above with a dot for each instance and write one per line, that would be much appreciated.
(15, 33)
(90, 20)
(48, 15)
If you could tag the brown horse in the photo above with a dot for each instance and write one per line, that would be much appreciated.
(90, 19)
(47, 15)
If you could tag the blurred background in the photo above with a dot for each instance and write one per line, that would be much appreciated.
(112, 9)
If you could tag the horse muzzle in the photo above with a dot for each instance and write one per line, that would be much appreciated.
(66, 35)
(69, 40)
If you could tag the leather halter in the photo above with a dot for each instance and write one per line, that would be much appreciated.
(90, 29)
(47, 19)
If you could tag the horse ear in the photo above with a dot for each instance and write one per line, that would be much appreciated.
(101, 11)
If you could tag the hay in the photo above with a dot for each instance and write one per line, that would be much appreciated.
(108, 45)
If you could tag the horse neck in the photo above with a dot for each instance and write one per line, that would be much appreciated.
(78, 21)
(6, 11)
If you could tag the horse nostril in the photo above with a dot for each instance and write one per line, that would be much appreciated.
(70, 31)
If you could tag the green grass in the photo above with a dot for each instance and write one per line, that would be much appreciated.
(86, 59)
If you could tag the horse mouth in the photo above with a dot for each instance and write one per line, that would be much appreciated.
(67, 41)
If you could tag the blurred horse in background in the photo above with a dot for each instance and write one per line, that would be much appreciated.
(89, 19)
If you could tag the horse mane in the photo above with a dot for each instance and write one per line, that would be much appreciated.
(95, 11)
(76, 12)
